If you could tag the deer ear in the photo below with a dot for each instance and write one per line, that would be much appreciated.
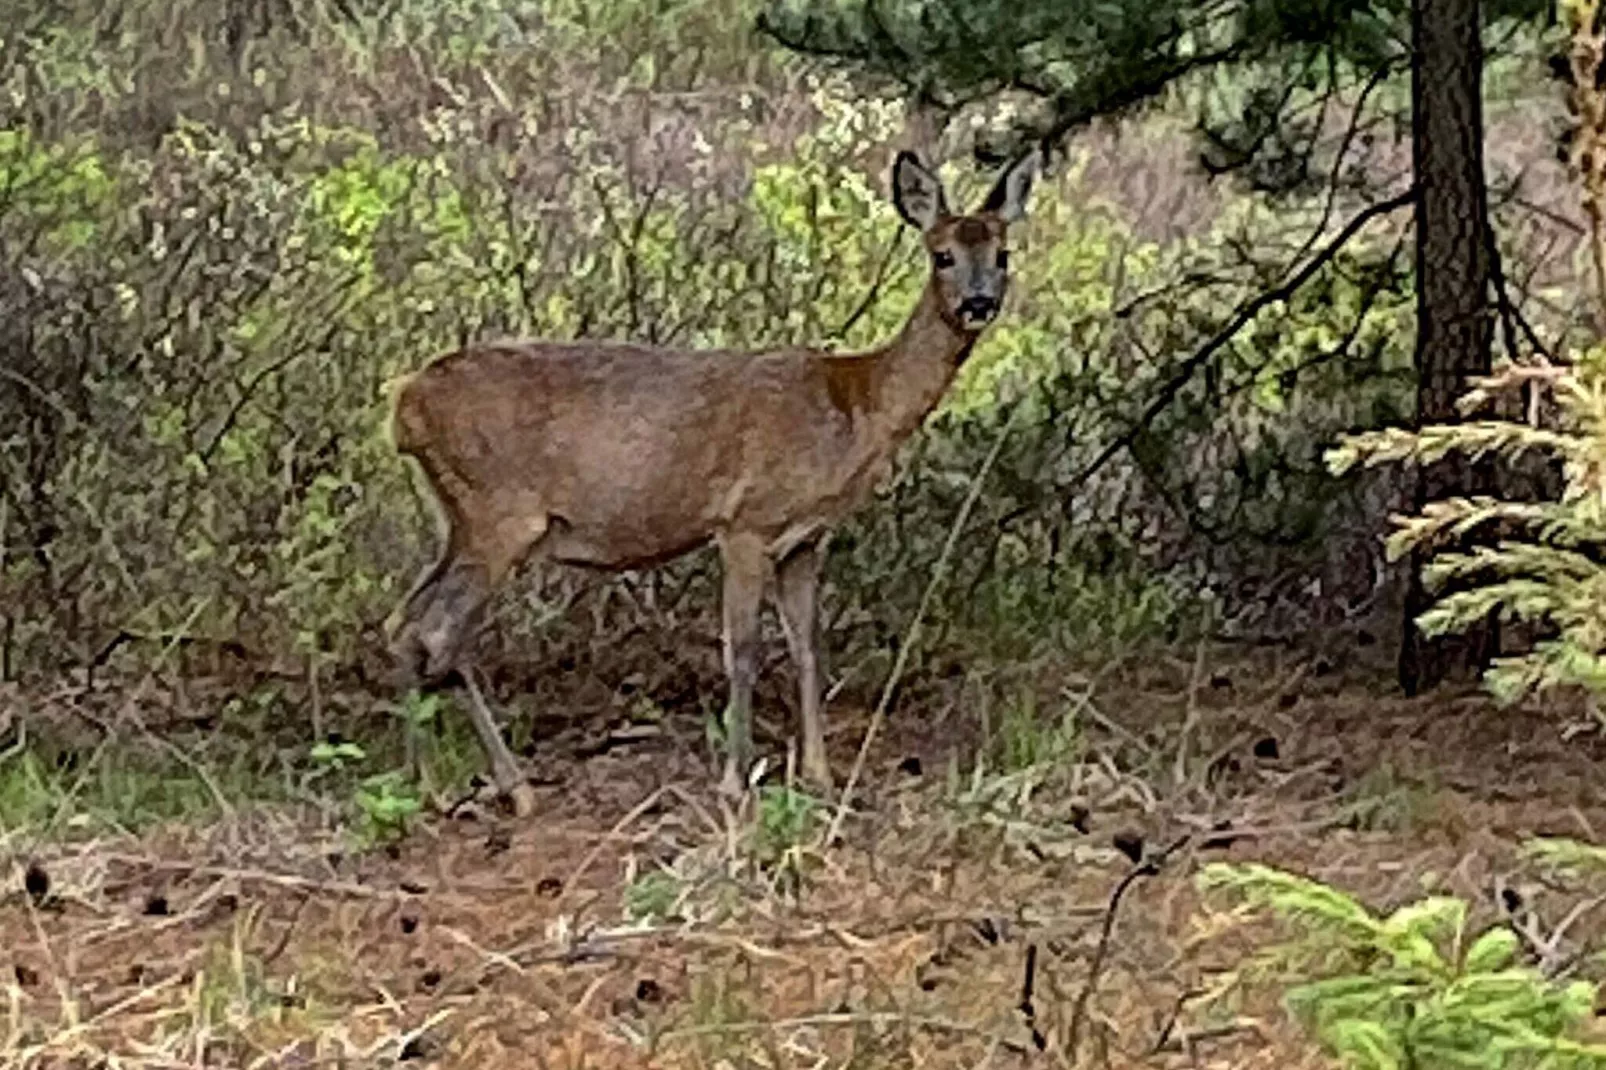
(1014, 186)
(917, 192)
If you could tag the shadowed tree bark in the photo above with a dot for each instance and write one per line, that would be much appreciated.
(1455, 329)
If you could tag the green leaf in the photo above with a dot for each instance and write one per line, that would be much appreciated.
(1365, 1045)
(1491, 951)
(336, 753)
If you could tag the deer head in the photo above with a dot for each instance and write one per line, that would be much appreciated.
(969, 253)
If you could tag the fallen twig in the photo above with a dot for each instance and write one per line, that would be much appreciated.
(1027, 1008)
(256, 876)
(1145, 867)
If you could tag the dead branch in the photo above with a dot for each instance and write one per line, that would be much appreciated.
(1145, 867)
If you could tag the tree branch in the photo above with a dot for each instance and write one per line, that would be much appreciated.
(1246, 314)
(1155, 81)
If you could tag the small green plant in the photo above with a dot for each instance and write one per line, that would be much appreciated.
(1022, 748)
(418, 712)
(388, 802)
(719, 1006)
(1384, 800)
(785, 819)
(1025, 740)
(652, 897)
(1566, 857)
(1412, 990)
(234, 999)
(785, 816)
(337, 755)
(231, 985)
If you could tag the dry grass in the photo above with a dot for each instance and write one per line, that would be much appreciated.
(638, 922)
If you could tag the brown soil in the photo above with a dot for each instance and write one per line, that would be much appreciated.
(486, 942)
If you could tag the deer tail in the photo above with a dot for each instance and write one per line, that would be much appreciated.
(406, 424)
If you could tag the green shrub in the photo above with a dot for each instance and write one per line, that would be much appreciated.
(216, 261)
(1413, 989)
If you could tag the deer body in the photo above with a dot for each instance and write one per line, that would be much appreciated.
(615, 456)
(781, 444)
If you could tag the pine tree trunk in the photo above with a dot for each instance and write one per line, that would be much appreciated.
(1454, 314)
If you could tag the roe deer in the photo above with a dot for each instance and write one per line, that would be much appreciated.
(615, 456)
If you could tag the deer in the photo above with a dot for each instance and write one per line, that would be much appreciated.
(614, 456)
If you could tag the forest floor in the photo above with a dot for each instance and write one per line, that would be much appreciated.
(636, 921)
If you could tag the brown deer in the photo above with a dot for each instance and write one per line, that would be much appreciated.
(614, 456)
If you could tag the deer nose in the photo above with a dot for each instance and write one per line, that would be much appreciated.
(978, 308)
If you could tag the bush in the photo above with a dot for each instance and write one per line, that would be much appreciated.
(1415, 988)
(210, 269)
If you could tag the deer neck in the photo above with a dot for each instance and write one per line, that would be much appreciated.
(914, 370)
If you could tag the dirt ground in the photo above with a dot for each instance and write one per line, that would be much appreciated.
(255, 940)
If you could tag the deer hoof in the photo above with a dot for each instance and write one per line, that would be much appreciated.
(522, 798)
(732, 785)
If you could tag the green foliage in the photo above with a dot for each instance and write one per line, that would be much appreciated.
(337, 755)
(1383, 800)
(1543, 568)
(1088, 58)
(1565, 856)
(218, 264)
(785, 818)
(64, 791)
(652, 897)
(782, 827)
(1045, 67)
(1413, 988)
(388, 803)
(1023, 739)
(65, 185)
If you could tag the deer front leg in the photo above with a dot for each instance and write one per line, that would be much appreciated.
(797, 598)
(746, 567)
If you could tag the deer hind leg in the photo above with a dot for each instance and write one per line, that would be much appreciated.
(797, 592)
(746, 573)
(435, 628)
(505, 772)
(440, 616)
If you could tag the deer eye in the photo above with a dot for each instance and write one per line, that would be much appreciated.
(1003, 258)
(942, 259)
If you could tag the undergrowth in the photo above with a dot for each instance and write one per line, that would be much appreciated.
(1416, 989)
